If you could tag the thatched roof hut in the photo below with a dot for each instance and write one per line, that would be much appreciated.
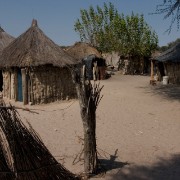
(34, 48)
(5, 39)
(81, 50)
(168, 64)
(35, 69)
(90, 57)
(172, 54)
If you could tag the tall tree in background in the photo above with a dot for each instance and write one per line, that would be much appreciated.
(108, 31)
(170, 8)
(95, 26)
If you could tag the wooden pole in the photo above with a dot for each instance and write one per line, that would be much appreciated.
(9, 84)
(152, 81)
(15, 85)
(89, 97)
(24, 87)
(152, 70)
(4, 83)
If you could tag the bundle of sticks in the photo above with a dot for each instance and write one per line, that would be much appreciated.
(22, 153)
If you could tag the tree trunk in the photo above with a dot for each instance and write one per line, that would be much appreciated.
(89, 125)
(88, 96)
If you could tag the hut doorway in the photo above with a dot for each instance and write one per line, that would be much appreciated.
(1, 81)
(95, 67)
(19, 88)
(161, 70)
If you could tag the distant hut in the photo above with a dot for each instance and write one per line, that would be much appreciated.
(168, 64)
(91, 58)
(112, 59)
(36, 70)
(5, 40)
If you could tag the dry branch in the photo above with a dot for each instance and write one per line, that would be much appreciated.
(27, 156)
(15, 107)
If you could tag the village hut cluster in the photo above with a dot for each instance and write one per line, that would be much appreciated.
(166, 66)
(91, 58)
(35, 70)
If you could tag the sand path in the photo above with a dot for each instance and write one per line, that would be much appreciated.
(138, 129)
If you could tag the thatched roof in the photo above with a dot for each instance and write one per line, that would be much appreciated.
(155, 54)
(172, 54)
(5, 39)
(81, 50)
(34, 48)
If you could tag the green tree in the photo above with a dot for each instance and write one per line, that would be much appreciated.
(108, 31)
(95, 26)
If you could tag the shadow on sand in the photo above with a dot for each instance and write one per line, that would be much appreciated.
(164, 169)
(106, 165)
(170, 91)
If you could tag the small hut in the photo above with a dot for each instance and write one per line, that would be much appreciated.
(36, 70)
(5, 40)
(91, 59)
(168, 64)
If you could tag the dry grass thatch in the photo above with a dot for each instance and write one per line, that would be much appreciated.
(5, 39)
(81, 50)
(172, 54)
(34, 48)
(155, 55)
(27, 156)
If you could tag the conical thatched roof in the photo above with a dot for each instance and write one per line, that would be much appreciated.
(81, 50)
(34, 48)
(172, 54)
(5, 39)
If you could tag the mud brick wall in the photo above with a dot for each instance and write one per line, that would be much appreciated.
(6, 84)
(173, 71)
(49, 84)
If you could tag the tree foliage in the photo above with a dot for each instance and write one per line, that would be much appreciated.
(169, 45)
(170, 8)
(108, 30)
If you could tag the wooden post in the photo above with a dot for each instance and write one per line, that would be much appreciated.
(95, 71)
(89, 98)
(152, 81)
(4, 83)
(12, 85)
(152, 70)
(24, 87)
(15, 85)
(9, 85)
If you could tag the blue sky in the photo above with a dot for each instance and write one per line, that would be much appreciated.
(57, 17)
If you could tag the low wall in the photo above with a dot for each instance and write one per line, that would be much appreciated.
(173, 71)
(42, 84)
(49, 84)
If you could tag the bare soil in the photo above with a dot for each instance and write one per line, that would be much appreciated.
(138, 129)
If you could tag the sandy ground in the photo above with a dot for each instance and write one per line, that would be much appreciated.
(138, 129)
